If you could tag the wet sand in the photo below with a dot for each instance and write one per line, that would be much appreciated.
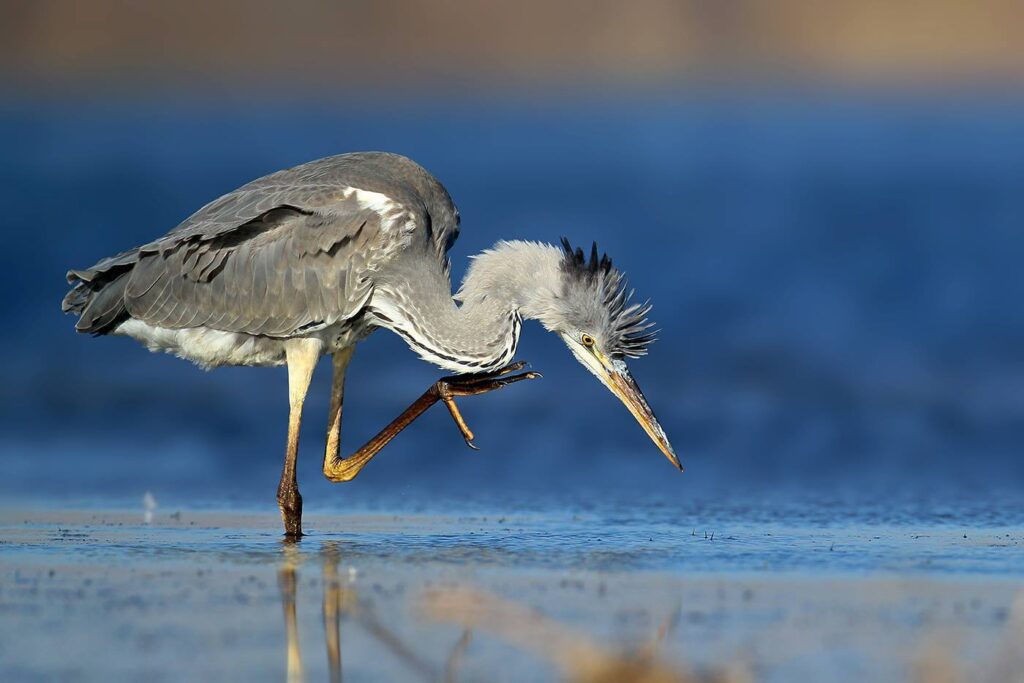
(99, 596)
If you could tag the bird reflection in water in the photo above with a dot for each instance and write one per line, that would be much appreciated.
(576, 656)
(287, 580)
(340, 599)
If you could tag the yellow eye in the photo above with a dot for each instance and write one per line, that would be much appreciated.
(587, 340)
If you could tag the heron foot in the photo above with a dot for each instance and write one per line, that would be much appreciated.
(447, 388)
(290, 502)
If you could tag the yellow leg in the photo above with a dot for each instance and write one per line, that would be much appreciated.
(338, 469)
(341, 359)
(302, 356)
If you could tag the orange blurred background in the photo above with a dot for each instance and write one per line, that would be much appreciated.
(238, 45)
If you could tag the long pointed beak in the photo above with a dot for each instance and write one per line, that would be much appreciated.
(625, 387)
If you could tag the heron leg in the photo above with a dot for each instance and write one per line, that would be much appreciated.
(301, 356)
(341, 359)
(338, 469)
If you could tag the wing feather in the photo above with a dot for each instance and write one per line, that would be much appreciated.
(280, 273)
(284, 251)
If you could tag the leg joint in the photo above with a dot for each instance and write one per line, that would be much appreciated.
(339, 473)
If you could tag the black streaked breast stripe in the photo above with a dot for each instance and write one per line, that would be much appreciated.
(477, 364)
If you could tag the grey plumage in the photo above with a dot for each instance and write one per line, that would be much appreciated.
(308, 261)
(356, 236)
(284, 272)
(288, 252)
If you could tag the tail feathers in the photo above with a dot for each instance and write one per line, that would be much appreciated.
(76, 300)
(100, 305)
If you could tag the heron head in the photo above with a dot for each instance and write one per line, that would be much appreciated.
(601, 326)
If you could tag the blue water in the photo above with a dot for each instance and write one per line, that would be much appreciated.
(836, 279)
(683, 538)
(809, 591)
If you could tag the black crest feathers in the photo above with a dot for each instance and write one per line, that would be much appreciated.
(576, 262)
(628, 332)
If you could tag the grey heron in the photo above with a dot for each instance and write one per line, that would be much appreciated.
(308, 261)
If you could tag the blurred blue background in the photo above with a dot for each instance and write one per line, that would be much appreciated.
(833, 262)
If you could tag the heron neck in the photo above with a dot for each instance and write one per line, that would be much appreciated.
(502, 287)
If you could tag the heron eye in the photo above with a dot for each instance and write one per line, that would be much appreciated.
(587, 340)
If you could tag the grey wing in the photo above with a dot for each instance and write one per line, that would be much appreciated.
(298, 240)
(286, 271)
(319, 186)
(309, 186)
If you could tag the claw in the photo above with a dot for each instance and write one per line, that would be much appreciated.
(513, 367)
(448, 388)
(505, 381)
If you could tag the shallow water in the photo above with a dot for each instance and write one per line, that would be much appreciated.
(800, 591)
(804, 538)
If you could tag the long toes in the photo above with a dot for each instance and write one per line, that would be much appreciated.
(483, 377)
(504, 381)
(482, 385)
(512, 367)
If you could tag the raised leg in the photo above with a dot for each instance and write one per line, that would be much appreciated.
(301, 356)
(338, 469)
